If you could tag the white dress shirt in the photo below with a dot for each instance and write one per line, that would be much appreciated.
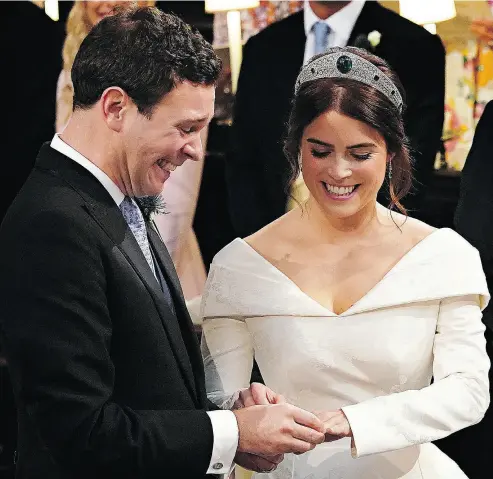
(224, 425)
(341, 25)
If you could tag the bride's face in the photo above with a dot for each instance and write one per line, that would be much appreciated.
(344, 163)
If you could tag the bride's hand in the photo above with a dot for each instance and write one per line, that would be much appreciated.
(336, 425)
(257, 394)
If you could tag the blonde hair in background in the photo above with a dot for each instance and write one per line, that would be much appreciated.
(77, 28)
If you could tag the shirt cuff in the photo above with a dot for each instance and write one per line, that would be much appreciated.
(225, 435)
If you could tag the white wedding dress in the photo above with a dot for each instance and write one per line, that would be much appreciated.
(375, 361)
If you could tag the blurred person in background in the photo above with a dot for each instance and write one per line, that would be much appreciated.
(473, 221)
(31, 63)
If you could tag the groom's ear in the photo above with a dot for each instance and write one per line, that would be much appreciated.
(116, 106)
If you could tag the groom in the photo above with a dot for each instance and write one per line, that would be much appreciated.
(105, 366)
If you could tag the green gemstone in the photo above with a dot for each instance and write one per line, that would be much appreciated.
(344, 64)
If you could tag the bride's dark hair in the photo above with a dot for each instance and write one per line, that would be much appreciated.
(361, 102)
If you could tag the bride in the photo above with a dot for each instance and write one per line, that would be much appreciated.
(360, 313)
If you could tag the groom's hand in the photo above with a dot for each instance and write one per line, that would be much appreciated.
(258, 463)
(257, 394)
(278, 429)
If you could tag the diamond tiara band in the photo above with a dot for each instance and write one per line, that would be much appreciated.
(349, 65)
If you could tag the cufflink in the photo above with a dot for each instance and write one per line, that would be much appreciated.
(217, 466)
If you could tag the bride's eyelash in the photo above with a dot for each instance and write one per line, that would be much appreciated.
(324, 154)
(366, 156)
(320, 154)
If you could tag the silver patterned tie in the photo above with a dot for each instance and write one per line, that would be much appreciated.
(135, 220)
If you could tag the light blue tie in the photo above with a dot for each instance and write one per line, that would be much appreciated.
(321, 30)
(135, 220)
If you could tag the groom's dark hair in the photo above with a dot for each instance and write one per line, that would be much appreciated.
(144, 51)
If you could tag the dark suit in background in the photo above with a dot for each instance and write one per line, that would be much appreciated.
(473, 447)
(257, 172)
(474, 214)
(112, 385)
(31, 62)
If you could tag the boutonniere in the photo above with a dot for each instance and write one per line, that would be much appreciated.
(151, 205)
(374, 38)
(368, 42)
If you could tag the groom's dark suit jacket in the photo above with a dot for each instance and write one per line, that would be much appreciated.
(257, 171)
(106, 372)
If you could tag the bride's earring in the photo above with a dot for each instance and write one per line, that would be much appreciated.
(390, 170)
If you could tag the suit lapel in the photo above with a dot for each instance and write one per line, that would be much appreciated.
(186, 325)
(112, 221)
(165, 260)
(365, 22)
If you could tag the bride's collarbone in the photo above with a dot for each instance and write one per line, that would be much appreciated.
(341, 279)
(339, 275)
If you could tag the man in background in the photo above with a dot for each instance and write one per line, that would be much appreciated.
(472, 448)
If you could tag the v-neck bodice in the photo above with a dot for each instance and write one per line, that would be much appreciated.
(407, 256)
(255, 286)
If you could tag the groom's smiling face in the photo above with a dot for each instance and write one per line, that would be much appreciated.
(153, 147)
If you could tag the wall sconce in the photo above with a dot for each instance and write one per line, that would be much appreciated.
(428, 12)
(232, 7)
(50, 7)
